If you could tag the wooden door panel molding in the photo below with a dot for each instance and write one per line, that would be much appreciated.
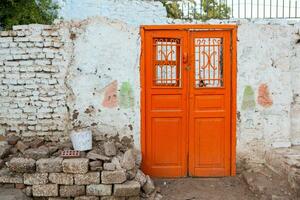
(188, 100)
(165, 102)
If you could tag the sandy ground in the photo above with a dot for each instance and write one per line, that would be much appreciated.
(227, 188)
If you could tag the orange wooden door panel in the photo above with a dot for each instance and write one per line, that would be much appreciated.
(209, 104)
(166, 121)
(188, 100)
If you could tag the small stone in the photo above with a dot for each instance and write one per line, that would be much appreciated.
(148, 187)
(71, 190)
(140, 177)
(35, 179)
(76, 165)
(87, 198)
(36, 143)
(12, 140)
(88, 178)
(117, 163)
(109, 166)
(110, 148)
(61, 178)
(28, 191)
(21, 146)
(2, 163)
(129, 158)
(111, 177)
(22, 165)
(48, 190)
(49, 165)
(20, 186)
(36, 154)
(96, 165)
(4, 149)
(129, 188)
(8, 177)
(130, 174)
(99, 190)
(95, 156)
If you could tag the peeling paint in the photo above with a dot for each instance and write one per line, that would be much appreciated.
(264, 99)
(248, 98)
(126, 95)
(110, 97)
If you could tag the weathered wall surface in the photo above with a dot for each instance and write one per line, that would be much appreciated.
(32, 81)
(97, 79)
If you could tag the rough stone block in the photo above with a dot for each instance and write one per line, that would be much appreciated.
(4, 149)
(129, 158)
(61, 178)
(88, 178)
(49, 165)
(129, 188)
(22, 165)
(48, 190)
(42, 152)
(111, 177)
(7, 177)
(110, 148)
(86, 198)
(140, 177)
(109, 166)
(93, 155)
(36, 179)
(71, 190)
(76, 165)
(99, 190)
(21, 146)
(96, 165)
(148, 187)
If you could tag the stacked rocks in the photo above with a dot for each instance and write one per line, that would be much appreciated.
(108, 172)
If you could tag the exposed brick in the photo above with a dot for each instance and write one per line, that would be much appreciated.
(129, 188)
(61, 178)
(111, 177)
(76, 165)
(35, 178)
(99, 190)
(71, 190)
(48, 190)
(22, 165)
(88, 178)
(49, 165)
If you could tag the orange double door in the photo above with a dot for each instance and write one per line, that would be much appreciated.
(188, 79)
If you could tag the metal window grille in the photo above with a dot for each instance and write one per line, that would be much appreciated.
(249, 9)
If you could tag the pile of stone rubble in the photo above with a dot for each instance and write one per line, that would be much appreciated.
(110, 171)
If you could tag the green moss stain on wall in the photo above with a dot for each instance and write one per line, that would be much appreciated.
(126, 95)
(248, 98)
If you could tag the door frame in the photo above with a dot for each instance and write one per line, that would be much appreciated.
(232, 28)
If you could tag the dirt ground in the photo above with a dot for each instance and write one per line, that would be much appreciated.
(227, 188)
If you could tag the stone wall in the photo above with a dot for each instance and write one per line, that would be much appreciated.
(47, 170)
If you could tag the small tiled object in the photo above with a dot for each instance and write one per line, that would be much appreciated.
(70, 154)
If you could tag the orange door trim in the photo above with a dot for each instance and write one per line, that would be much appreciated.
(186, 32)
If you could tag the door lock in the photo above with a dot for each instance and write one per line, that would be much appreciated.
(188, 68)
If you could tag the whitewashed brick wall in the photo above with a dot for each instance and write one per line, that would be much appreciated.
(32, 90)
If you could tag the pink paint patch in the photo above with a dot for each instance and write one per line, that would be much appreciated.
(264, 99)
(110, 96)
